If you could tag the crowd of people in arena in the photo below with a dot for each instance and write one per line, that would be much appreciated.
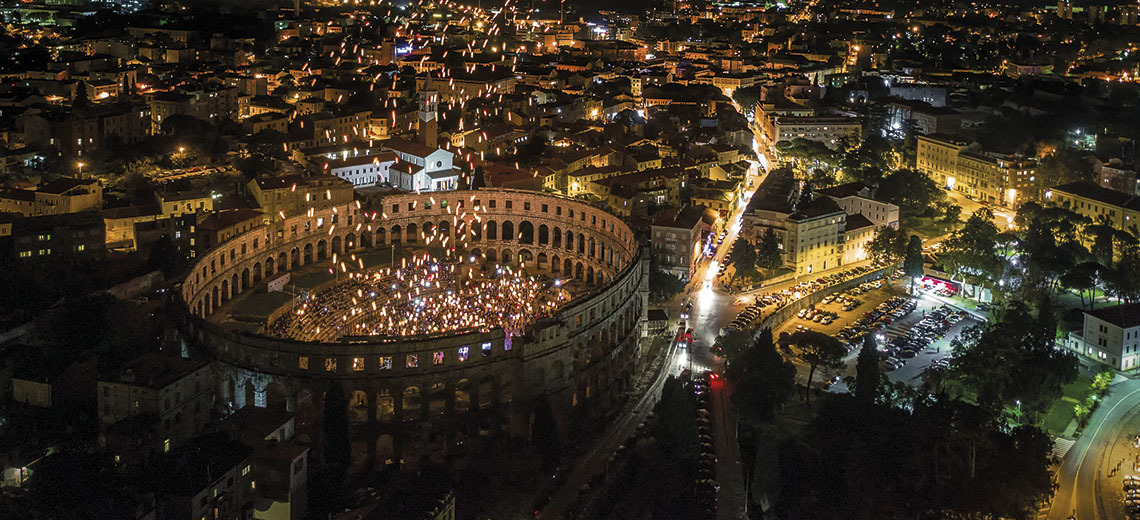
(422, 296)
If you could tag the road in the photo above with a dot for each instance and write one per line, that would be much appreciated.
(1088, 486)
(709, 310)
(1003, 217)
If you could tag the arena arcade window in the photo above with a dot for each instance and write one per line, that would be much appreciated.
(463, 353)
(303, 362)
(330, 364)
(486, 349)
(385, 362)
(545, 208)
(437, 358)
(413, 361)
(357, 364)
(526, 206)
(509, 204)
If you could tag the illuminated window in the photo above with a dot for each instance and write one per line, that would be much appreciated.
(303, 362)
(357, 364)
(245, 470)
(486, 349)
(166, 446)
(463, 352)
(413, 361)
(330, 364)
(437, 358)
(385, 362)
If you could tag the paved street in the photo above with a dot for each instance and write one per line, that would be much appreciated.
(1085, 488)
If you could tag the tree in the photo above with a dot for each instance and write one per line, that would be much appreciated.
(867, 372)
(743, 259)
(817, 350)
(544, 433)
(1084, 278)
(952, 214)
(663, 285)
(763, 380)
(733, 344)
(81, 100)
(336, 448)
(1014, 360)
(888, 246)
(971, 252)
(913, 261)
(912, 191)
(769, 252)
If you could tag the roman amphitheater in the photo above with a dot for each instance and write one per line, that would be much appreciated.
(542, 300)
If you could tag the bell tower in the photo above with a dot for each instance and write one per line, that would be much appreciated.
(429, 107)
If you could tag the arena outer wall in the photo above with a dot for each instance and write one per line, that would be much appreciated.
(580, 361)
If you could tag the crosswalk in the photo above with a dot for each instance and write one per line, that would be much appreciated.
(895, 330)
(1062, 446)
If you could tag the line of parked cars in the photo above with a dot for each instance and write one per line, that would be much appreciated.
(816, 315)
(706, 484)
(932, 328)
(778, 299)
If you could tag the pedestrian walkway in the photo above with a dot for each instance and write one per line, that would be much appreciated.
(1061, 447)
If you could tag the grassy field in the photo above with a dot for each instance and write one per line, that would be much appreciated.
(1062, 411)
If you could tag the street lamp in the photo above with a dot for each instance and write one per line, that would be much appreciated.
(80, 165)
(1019, 411)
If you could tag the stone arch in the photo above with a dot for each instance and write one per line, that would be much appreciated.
(386, 447)
(410, 405)
(590, 275)
(543, 235)
(211, 298)
(235, 285)
(590, 248)
(555, 265)
(581, 243)
(443, 230)
(225, 290)
(437, 400)
(476, 231)
(350, 242)
(567, 268)
(507, 256)
(525, 257)
(282, 262)
(381, 237)
(336, 245)
(569, 240)
(557, 237)
(486, 392)
(579, 271)
(269, 267)
(543, 261)
(276, 398)
(397, 235)
(463, 395)
(492, 230)
(246, 281)
(358, 407)
(366, 238)
(385, 405)
(526, 232)
(508, 231)
(256, 272)
(307, 253)
(294, 258)
(476, 253)
(557, 374)
(601, 277)
(413, 233)
(492, 255)
(322, 249)
(537, 381)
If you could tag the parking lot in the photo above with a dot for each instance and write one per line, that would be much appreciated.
(895, 319)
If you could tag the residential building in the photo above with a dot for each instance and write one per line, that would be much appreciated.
(1095, 202)
(284, 196)
(856, 199)
(1110, 336)
(679, 236)
(810, 226)
(175, 394)
(73, 237)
